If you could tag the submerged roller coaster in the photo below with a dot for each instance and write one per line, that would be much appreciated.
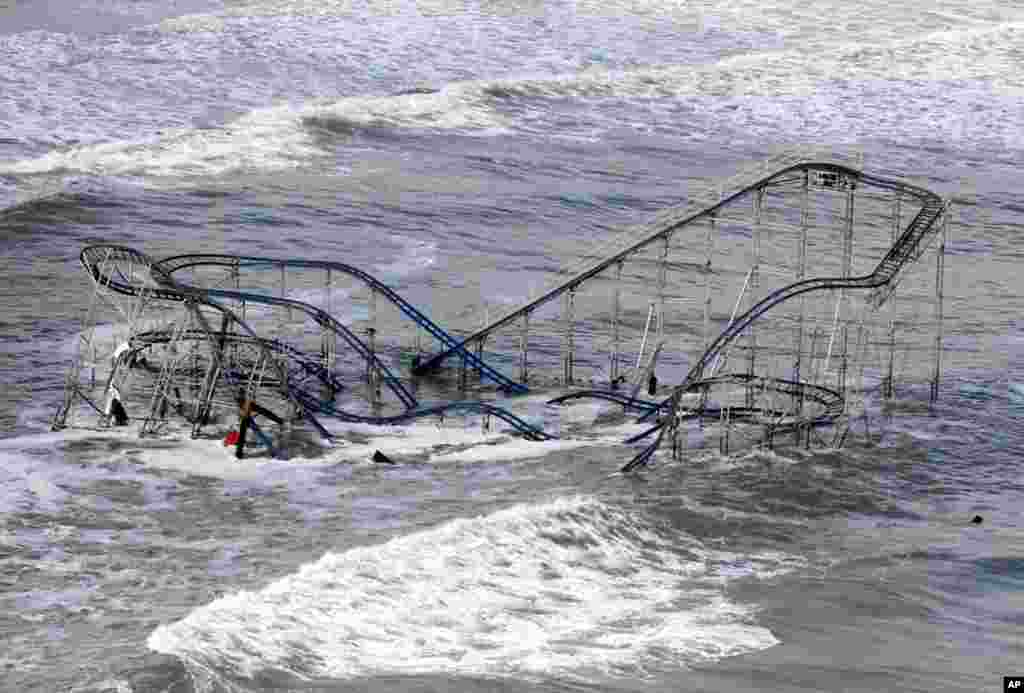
(778, 266)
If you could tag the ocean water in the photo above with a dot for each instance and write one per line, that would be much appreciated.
(426, 141)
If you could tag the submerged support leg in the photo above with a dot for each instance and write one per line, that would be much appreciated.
(662, 285)
(372, 376)
(570, 342)
(847, 271)
(752, 295)
(939, 276)
(709, 249)
(843, 367)
(371, 333)
(801, 270)
(284, 292)
(524, 340)
(890, 383)
(480, 357)
(244, 420)
(674, 434)
(212, 377)
(616, 308)
(725, 419)
(328, 344)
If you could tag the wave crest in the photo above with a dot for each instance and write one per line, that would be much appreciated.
(572, 587)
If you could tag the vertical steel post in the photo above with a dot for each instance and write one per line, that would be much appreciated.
(939, 276)
(723, 423)
(801, 270)
(847, 269)
(843, 366)
(890, 383)
(848, 231)
(238, 287)
(284, 292)
(524, 338)
(616, 308)
(709, 245)
(371, 333)
(570, 343)
(205, 403)
(480, 357)
(662, 282)
(327, 290)
(463, 370)
(752, 295)
(327, 350)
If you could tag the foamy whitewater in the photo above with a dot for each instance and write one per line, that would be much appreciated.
(462, 152)
(571, 586)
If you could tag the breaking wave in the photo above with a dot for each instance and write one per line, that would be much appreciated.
(572, 587)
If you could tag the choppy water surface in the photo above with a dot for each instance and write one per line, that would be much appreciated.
(418, 140)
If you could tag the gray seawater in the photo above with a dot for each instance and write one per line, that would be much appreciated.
(419, 140)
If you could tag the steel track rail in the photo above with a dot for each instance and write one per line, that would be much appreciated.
(179, 262)
(662, 228)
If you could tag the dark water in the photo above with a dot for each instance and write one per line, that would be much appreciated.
(458, 150)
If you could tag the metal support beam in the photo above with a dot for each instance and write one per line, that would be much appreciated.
(890, 383)
(724, 421)
(524, 340)
(616, 309)
(372, 376)
(212, 376)
(709, 249)
(847, 271)
(801, 270)
(662, 283)
(843, 364)
(755, 262)
(940, 266)
(328, 344)
(569, 353)
(284, 293)
(480, 357)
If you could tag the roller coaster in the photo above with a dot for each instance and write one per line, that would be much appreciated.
(297, 376)
(199, 333)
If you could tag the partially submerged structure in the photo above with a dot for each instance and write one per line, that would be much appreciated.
(772, 305)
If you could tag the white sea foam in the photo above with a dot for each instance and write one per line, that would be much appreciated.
(514, 448)
(571, 587)
(35, 478)
(267, 139)
(415, 257)
(457, 106)
(850, 88)
(42, 484)
(425, 438)
(781, 77)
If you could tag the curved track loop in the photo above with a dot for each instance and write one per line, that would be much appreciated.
(910, 243)
(101, 261)
(142, 341)
(154, 284)
(625, 400)
(780, 420)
